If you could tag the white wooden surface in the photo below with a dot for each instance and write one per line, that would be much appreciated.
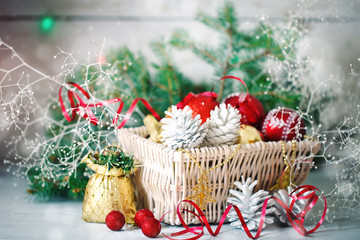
(22, 218)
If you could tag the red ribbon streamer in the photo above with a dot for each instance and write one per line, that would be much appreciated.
(83, 109)
(238, 79)
(297, 221)
(78, 106)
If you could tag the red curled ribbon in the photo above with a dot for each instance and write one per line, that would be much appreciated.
(297, 221)
(83, 109)
(238, 79)
(78, 106)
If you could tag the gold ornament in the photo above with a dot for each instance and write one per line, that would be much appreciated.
(286, 179)
(153, 127)
(108, 190)
(202, 191)
(248, 134)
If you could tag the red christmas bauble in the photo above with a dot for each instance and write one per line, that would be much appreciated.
(115, 220)
(201, 103)
(283, 124)
(250, 108)
(151, 227)
(141, 216)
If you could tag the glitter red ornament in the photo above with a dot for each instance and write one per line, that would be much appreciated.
(115, 220)
(251, 110)
(151, 227)
(201, 103)
(283, 124)
(141, 216)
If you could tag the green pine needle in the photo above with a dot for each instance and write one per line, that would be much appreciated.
(114, 158)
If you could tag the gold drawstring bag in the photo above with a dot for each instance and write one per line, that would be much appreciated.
(107, 190)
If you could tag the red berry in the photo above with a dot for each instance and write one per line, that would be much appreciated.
(201, 103)
(151, 227)
(115, 220)
(141, 216)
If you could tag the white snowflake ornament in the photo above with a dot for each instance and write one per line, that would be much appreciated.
(250, 205)
(223, 126)
(180, 130)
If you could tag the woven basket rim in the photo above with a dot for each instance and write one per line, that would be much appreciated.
(312, 142)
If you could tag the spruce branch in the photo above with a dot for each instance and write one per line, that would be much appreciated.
(222, 84)
(211, 22)
(131, 85)
(170, 92)
(181, 40)
(161, 48)
(227, 17)
(176, 80)
(161, 86)
(266, 53)
(205, 53)
(226, 22)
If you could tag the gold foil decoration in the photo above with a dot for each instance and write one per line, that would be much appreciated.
(202, 192)
(248, 134)
(108, 190)
(286, 179)
(153, 127)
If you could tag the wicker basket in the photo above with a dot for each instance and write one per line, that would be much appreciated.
(167, 176)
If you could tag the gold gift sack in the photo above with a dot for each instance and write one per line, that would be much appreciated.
(108, 190)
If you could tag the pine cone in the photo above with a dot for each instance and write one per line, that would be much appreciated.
(250, 205)
(284, 196)
(223, 126)
(180, 130)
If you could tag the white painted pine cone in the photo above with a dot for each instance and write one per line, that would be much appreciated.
(180, 130)
(284, 196)
(223, 126)
(250, 205)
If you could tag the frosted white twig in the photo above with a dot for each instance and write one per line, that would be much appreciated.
(36, 134)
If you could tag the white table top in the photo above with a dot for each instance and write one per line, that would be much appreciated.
(23, 218)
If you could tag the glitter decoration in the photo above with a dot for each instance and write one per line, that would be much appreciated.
(286, 178)
(202, 192)
(342, 151)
